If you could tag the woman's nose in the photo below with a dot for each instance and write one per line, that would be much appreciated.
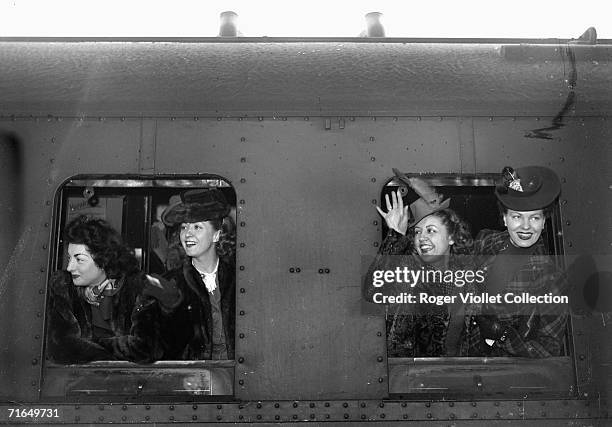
(70, 266)
(525, 223)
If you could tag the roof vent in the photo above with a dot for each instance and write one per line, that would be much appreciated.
(373, 26)
(228, 27)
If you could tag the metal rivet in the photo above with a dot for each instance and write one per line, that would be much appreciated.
(451, 404)
(46, 224)
(582, 357)
(373, 179)
(362, 404)
(242, 180)
(382, 415)
(242, 245)
(292, 270)
(379, 334)
(243, 160)
(373, 159)
(375, 222)
(241, 360)
(241, 382)
(259, 416)
(404, 404)
(327, 404)
(345, 405)
(429, 415)
(375, 244)
(346, 416)
(259, 405)
(194, 417)
(41, 291)
(474, 404)
(320, 271)
(194, 407)
(242, 268)
(428, 404)
(405, 416)
(371, 138)
(568, 222)
(363, 417)
(379, 358)
(381, 405)
(496, 404)
(242, 139)
(42, 269)
(243, 224)
(277, 417)
(298, 270)
(241, 417)
(241, 201)
(381, 379)
(36, 337)
(277, 405)
(44, 246)
(242, 312)
(327, 270)
(34, 361)
(241, 335)
(242, 290)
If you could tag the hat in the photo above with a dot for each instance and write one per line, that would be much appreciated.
(528, 189)
(429, 200)
(197, 205)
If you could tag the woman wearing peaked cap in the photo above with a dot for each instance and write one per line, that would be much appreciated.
(515, 262)
(201, 325)
(424, 241)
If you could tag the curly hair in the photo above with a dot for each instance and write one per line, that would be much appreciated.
(104, 243)
(226, 246)
(457, 228)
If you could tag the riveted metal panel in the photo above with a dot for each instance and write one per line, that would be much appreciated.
(459, 412)
(300, 284)
(53, 149)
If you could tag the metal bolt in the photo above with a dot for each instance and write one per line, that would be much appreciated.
(242, 268)
(242, 290)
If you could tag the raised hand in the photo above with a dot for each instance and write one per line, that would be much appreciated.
(397, 214)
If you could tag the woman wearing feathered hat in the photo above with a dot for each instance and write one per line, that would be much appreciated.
(423, 241)
(201, 325)
(515, 262)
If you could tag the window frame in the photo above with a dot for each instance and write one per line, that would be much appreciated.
(65, 381)
(484, 377)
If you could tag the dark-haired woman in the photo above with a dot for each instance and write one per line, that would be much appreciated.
(435, 239)
(202, 325)
(97, 307)
(516, 262)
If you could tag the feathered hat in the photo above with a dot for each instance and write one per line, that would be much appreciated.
(429, 200)
(528, 189)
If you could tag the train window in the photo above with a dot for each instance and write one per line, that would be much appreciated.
(141, 301)
(427, 349)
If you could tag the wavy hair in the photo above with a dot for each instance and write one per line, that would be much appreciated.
(226, 246)
(458, 229)
(104, 243)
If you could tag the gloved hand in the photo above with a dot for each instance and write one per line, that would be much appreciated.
(164, 291)
(490, 328)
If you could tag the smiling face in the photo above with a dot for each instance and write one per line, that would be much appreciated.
(524, 227)
(82, 267)
(198, 238)
(432, 239)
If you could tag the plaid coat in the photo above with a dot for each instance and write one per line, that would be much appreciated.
(528, 330)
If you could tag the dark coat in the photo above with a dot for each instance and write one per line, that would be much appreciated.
(134, 321)
(189, 328)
